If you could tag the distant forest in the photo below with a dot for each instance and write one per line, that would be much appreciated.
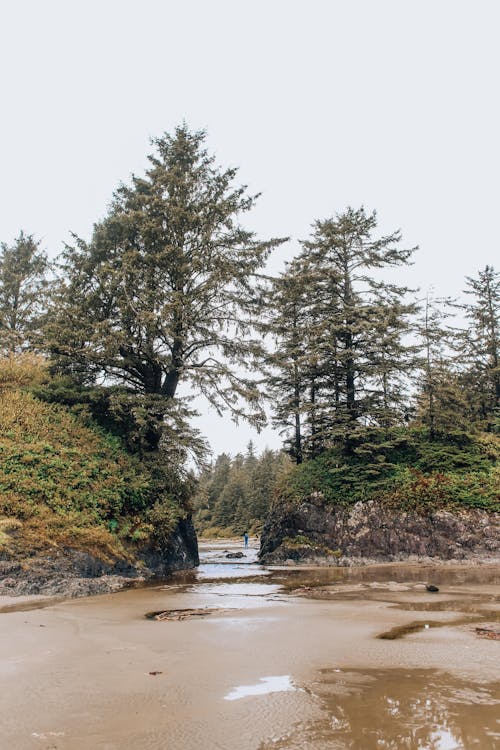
(234, 494)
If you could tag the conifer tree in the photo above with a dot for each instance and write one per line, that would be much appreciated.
(23, 286)
(481, 346)
(164, 292)
(440, 405)
(358, 308)
(351, 355)
(234, 494)
(391, 359)
(286, 321)
(211, 483)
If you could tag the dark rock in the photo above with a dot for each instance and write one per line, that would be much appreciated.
(234, 555)
(72, 573)
(431, 587)
(180, 553)
(372, 531)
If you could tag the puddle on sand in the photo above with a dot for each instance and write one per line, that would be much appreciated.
(246, 556)
(235, 589)
(277, 684)
(235, 595)
(400, 631)
(397, 710)
(233, 570)
(416, 575)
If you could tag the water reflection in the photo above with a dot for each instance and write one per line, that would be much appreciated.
(383, 574)
(229, 570)
(277, 684)
(235, 595)
(398, 710)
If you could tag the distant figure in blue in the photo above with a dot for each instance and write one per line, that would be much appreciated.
(245, 538)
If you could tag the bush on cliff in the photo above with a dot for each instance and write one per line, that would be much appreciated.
(406, 470)
(66, 484)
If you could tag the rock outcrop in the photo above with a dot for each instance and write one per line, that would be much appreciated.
(69, 572)
(368, 531)
(180, 553)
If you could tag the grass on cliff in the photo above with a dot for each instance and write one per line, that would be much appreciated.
(406, 470)
(65, 484)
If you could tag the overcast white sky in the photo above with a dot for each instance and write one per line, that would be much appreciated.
(393, 104)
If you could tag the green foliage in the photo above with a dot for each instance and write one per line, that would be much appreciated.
(339, 330)
(21, 370)
(441, 405)
(300, 540)
(65, 483)
(420, 493)
(234, 494)
(23, 288)
(302, 544)
(149, 425)
(481, 348)
(166, 289)
(162, 518)
(41, 443)
(405, 469)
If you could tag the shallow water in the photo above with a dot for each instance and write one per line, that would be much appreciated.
(265, 686)
(395, 708)
(398, 709)
(440, 575)
(283, 658)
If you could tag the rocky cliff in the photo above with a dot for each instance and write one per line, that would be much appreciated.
(71, 572)
(314, 530)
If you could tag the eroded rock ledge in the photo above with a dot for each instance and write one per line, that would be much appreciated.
(69, 572)
(313, 531)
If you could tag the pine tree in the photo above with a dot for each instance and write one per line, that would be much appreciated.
(232, 507)
(165, 291)
(351, 357)
(358, 309)
(23, 286)
(270, 466)
(440, 405)
(286, 323)
(392, 358)
(481, 346)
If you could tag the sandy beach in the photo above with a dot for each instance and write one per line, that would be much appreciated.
(282, 658)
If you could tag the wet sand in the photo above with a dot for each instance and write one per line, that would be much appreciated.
(287, 658)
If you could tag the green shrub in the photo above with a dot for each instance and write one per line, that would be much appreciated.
(67, 484)
(403, 468)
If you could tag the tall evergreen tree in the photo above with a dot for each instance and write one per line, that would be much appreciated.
(481, 346)
(358, 309)
(440, 407)
(164, 292)
(23, 286)
(286, 321)
(351, 351)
